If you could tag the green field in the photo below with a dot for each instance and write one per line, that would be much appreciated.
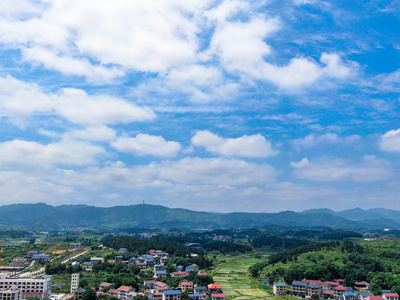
(236, 284)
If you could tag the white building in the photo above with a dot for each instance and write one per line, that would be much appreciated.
(74, 282)
(13, 293)
(29, 287)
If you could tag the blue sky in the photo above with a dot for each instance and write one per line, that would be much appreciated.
(230, 105)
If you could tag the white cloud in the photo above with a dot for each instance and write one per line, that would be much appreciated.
(369, 169)
(245, 146)
(390, 141)
(92, 133)
(314, 140)
(144, 144)
(74, 105)
(26, 154)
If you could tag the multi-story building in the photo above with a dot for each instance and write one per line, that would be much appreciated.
(74, 282)
(299, 287)
(30, 287)
(12, 293)
(279, 288)
(171, 295)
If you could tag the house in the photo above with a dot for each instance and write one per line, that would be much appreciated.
(265, 282)
(178, 274)
(279, 288)
(88, 266)
(373, 298)
(75, 245)
(41, 257)
(132, 260)
(122, 250)
(390, 296)
(299, 287)
(350, 296)
(104, 285)
(113, 292)
(79, 293)
(362, 296)
(149, 284)
(160, 274)
(18, 262)
(160, 286)
(31, 254)
(200, 289)
(180, 268)
(361, 285)
(315, 289)
(192, 268)
(202, 274)
(123, 292)
(96, 260)
(141, 265)
(172, 295)
(119, 258)
(159, 267)
(339, 290)
(164, 259)
(155, 296)
(328, 294)
(197, 296)
(219, 296)
(186, 286)
(214, 288)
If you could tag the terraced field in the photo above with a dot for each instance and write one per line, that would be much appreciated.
(232, 276)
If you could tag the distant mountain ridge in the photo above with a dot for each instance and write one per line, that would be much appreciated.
(42, 215)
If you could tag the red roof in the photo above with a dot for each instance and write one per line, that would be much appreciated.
(332, 283)
(186, 283)
(214, 286)
(124, 288)
(373, 298)
(201, 274)
(219, 295)
(105, 284)
(328, 292)
(391, 294)
(112, 291)
(361, 283)
(338, 280)
(341, 288)
(161, 284)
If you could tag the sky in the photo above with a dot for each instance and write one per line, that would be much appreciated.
(224, 105)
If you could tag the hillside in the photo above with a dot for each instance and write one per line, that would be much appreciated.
(41, 215)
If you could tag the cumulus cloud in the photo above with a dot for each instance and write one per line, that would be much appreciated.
(75, 105)
(27, 154)
(390, 141)
(314, 140)
(144, 144)
(369, 169)
(245, 146)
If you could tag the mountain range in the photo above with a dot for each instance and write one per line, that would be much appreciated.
(42, 215)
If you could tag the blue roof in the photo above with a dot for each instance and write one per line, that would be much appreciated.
(299, 283)
(132, 258)
(316, 286)
(88, 263)
(386, 291)
(175, 292)
(350, 294)
(161, 272)
(366, 294)
(279, 284)
(195, 295)
(200, 288)
(119, 256)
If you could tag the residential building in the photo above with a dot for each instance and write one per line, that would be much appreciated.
(42, 257)
(159, 267)
(122, 250)
(363, 296)
(339, 290)
(119, 258)
(279, 288)
(390, 296)
(31, 254)
(350, 296)
(30, 287)
(314, 289)
(74, 282)
(197, 296)
(104, 285)
(160, 286)
(96, 260)
(160, 274)
(123, 292)
(186, 286)
(88, 266)
(178, 274)
(75, 245)
(214, 288)
(172, 295)
(299, 287)
(219, 296)
(79, 293)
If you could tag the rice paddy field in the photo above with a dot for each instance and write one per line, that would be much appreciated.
(231, 274)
